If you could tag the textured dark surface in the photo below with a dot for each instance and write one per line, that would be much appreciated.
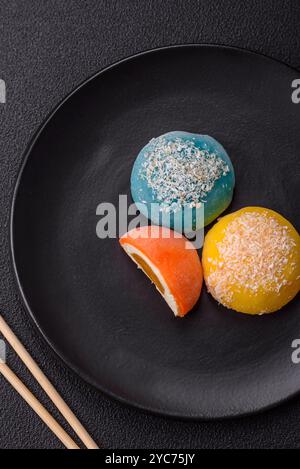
(47, 48)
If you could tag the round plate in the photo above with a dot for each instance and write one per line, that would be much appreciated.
(99, 313)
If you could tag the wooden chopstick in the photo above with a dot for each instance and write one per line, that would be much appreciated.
(46, 385)
(31, 400)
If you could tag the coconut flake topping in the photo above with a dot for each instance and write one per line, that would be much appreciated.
(254, 253)
(179, 173)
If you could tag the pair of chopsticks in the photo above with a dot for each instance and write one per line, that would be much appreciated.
(49, 389)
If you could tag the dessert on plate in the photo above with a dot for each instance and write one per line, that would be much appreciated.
(182, 180)
(171, 263)
(251, 261)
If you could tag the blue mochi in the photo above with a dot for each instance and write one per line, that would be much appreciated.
(183, 181)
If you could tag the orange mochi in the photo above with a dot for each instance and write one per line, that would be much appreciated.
(171, 263)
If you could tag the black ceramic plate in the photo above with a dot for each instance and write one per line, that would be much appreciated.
(99, 313)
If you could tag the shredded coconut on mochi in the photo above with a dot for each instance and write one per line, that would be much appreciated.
(254, 254)
(181, 174)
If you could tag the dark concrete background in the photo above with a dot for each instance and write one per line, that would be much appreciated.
(47, 47)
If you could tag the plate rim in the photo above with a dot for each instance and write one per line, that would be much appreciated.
(30, 313)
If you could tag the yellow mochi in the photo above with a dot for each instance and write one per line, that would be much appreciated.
(251, 261)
